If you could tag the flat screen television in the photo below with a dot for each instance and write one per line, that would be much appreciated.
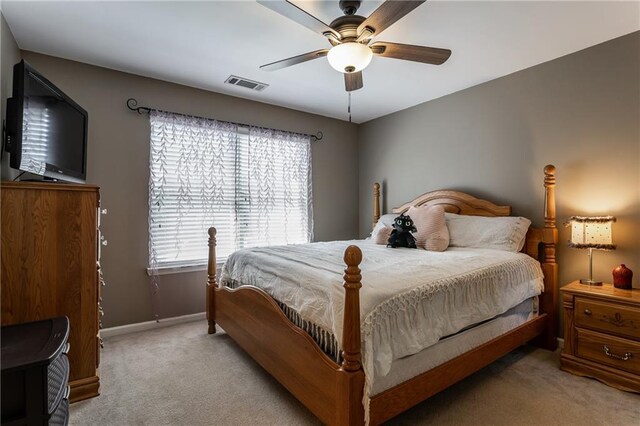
(46, 131)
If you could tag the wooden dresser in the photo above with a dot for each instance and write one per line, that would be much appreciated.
(50, 268)
(602, 334)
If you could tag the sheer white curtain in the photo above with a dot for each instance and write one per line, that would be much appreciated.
(252, 184)
(274, 180)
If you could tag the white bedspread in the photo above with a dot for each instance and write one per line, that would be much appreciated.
(409, 299)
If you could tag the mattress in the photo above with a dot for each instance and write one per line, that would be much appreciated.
(410, 299)
(455, 345)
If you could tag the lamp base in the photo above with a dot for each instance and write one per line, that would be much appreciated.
(591, 282)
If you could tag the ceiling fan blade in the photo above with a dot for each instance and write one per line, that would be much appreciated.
(384, 16)
(293, 12)
(295, 60)
(353, 81)
(410, 52)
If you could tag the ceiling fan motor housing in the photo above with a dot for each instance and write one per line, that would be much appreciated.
(347, 26)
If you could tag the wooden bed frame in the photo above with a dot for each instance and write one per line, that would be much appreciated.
(334, 392)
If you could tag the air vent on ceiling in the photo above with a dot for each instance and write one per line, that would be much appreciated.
(246, 83)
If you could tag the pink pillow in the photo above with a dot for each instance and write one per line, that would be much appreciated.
(381, 234)
(432, 234)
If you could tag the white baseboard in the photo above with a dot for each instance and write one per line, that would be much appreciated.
(150, 325)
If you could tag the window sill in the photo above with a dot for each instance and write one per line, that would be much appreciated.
(171, 270)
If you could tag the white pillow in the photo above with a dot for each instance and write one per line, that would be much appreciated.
(388, 219)
(500, 233)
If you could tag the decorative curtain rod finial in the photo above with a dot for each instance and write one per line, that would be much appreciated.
(132, 104)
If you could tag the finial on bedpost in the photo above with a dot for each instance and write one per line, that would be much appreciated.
(211, 281)
(376, 203)
(550, 196)
(351, 323)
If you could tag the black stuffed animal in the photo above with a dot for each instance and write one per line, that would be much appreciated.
(401, 233)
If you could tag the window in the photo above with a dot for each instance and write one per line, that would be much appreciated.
(252, 184)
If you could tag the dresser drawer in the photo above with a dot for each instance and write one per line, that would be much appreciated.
(615, 352)
(608, 317)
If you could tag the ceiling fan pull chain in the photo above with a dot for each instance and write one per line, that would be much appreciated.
(349, 107)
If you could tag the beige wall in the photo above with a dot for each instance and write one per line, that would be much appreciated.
(580, 112)
(118, 155)
(9, 56)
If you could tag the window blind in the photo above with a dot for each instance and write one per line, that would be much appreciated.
(253, 184)
(35, 132)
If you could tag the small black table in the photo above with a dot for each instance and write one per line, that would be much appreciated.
(35, 373)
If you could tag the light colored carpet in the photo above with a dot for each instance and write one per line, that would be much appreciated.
(179, 375)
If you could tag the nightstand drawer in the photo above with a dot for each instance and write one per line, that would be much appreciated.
(608, 317)
(615, 352)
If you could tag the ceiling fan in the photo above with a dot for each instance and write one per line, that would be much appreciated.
(350, 36)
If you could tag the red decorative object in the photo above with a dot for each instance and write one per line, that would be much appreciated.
(622, 277)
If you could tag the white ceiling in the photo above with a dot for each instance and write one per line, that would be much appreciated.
(201, 43)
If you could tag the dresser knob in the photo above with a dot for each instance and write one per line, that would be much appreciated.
(587, 311)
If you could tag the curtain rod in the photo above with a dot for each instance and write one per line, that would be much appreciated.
(132, 104)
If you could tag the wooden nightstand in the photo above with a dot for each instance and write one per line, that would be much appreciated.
(602, 334)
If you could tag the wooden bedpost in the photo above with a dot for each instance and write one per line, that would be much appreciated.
(549, 300)
(211, 281)
(376, 203)
(351, 386)
(351, 325)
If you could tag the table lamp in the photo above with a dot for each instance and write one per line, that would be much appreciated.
(591, 233)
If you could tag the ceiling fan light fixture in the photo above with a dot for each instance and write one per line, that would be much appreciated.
(349, 57)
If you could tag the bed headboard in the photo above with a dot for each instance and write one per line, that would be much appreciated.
(540, 242)
(456, 202)
(463, 203)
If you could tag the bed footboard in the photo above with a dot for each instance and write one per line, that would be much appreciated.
(257, 324)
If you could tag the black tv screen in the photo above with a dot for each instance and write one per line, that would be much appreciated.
(46, 130)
